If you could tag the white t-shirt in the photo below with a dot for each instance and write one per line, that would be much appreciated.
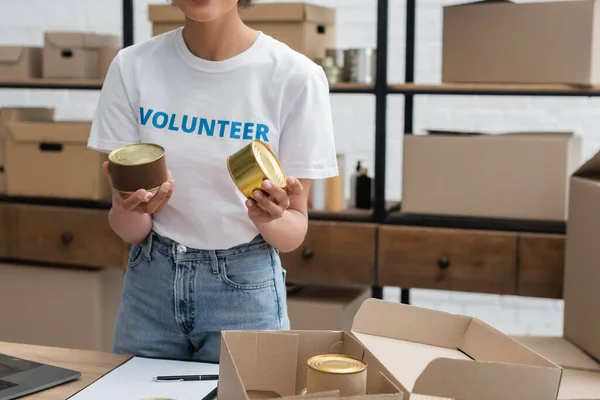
(203, 111)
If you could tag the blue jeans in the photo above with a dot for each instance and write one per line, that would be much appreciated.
(177, 300)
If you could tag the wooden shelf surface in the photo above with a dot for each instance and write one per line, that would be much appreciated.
(495, 89)
(45, 83)
(348, 87)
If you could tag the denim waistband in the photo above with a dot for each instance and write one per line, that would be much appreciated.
(154, 241)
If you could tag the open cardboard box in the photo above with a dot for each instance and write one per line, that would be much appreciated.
(409, 351)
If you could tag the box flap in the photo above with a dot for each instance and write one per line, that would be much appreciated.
(591, 168)
(56, 132)
(415, 324)
(165, 13)
(464, 379)
(560, 351)
(560, 135)
(288, 12)
(478, 2)
(78, 40)
(479, 335)
(265, 349)
(11, 54)
(579, 385)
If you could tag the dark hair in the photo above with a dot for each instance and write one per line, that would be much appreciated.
(244, 3)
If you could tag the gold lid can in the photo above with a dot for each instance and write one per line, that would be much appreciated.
(268, 162)
(136, 154)
(337, 364)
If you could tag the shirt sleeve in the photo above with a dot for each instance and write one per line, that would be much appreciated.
(307, 143)
(114, 124)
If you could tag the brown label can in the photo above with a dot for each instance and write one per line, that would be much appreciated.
(138, 166)
(327, 372)
(252, 164)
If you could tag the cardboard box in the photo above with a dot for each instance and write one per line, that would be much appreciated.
(20, 62)
(581, 374)
(75, 55)
(415, 350)
(53, 160)
(306, 28)
(18, 114)
(504, 42)
(582, 259)
(62, 307)
(519, 176)
(325, 307)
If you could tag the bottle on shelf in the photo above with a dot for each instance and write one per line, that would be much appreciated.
(361, 187)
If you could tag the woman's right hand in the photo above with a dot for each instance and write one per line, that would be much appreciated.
(141, 202)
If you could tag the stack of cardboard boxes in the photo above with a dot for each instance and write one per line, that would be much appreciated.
(72, 55)
(306, 28)
(37, 155)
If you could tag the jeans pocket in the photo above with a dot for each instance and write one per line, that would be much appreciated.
(249, 271)
(136, 255)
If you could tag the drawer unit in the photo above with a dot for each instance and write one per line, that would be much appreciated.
(64, 235)
(448, 259)
(6, 229)
(334, 253)
(541, 265)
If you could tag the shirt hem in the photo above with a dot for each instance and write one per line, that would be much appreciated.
(105, 145)
(312, 173)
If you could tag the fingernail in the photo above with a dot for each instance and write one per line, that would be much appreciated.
(148, 196)
(291, 181)
(266, 185)
(258, 195)
(249, 203)
(165, 188)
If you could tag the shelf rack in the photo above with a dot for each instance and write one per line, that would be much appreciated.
(383, 212)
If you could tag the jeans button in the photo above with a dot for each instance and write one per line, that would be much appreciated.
(181, 249)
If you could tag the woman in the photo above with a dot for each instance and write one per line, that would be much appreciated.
(204, 258)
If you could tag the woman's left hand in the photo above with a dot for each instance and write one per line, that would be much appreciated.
(263, 209)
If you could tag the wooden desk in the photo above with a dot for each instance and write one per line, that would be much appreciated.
(91, 364)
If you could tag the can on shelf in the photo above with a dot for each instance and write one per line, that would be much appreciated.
(138, 166)
(252, 164)
(341, 372)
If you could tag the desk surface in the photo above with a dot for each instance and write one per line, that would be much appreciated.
(91, 364)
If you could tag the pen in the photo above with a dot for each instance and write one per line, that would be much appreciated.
(186, 378)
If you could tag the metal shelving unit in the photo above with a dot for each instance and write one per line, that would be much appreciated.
(381, 213)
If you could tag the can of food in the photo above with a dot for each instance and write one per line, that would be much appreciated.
(360, 65)
(252, 164)
(336, 372)
(138, 166)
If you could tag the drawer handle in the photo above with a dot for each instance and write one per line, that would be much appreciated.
(307, 253)
(67, 237)
(443, 263)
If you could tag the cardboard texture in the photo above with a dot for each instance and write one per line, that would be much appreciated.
(75, 54)
(18, 114)
(582, 272)
(20, 62)
(53, 160)
(325, 307)
(581, 375)
(306, 28)
(408, 349)
(518, 175)
(70, 308)
(504, 42)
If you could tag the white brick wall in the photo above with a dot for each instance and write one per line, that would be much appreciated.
(23, 21)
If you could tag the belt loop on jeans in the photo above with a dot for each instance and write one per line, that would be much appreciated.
(148, 246)
(215, 262)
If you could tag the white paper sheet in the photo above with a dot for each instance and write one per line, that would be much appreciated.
(133, 380)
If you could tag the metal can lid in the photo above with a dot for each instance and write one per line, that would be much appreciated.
(268, 163)
(136, 154)
(336, 364)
